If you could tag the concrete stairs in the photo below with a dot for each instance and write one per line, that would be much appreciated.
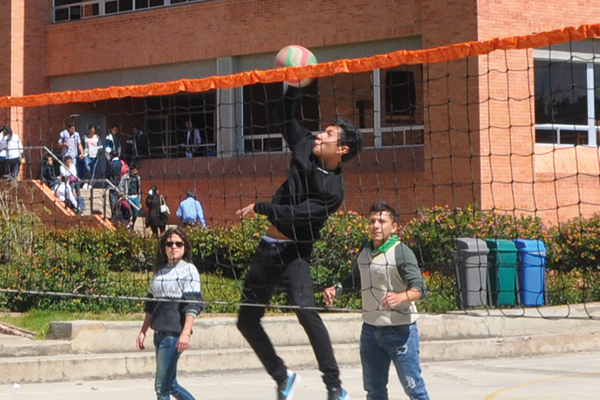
(83, 350)
(97, 202)
(39, 199)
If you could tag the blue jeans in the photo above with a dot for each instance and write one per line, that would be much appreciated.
(165, 383)
(381, 344)
(90, 166)
(135, 211)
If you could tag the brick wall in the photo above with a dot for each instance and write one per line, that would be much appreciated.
(510, 177)
(225, 185)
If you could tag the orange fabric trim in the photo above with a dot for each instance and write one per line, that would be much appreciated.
(401, 57)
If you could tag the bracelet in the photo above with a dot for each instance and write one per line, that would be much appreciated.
(188, 333)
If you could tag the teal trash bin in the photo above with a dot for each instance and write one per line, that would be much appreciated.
(472, 264)
(502, 271)
(532, 271)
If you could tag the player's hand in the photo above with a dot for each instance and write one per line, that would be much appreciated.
(247, 211)
(183, 343)
(81, 156)
(139, 343)
(393, 300)
(328, 294)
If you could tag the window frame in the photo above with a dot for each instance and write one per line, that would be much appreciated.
(590, 61)
(86, 6)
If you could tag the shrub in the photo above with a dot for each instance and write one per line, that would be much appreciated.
(574, 244)
(334, 255)
(433, 232)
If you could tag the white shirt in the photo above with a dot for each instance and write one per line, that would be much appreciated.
(68, 172)
(92, 145)
(64, 193)
(10, 149)
(72, 140)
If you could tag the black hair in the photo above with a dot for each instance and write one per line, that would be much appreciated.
(67, 157)
(190, 193)
(46, 157)
(133, 166)
(382, 206)
(93, 126)
(70, 125)
(113, 126)
(161, 258)
(7, 132)
(351, 137)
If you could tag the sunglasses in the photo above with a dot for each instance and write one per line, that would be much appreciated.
(177, 244)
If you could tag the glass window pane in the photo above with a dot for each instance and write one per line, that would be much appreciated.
(597, 93)
(545, 136)
(58, 3)
(261, 101)
(402, 96)
(75, 13)
(157, 3)
(62, 14)
(125, 5)
(560, 92)
(91, 9)
(139, 4)
(111, 7)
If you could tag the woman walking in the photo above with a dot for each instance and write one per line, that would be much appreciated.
(175, 278)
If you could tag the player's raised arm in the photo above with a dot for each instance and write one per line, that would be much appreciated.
(291, 130)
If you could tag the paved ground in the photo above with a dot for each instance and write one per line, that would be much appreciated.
(564, 377)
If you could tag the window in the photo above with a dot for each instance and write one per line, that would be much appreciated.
(261, 127)
(387, 105)
(567, 95)
(400, 94)
(166, 124)
(71, 10)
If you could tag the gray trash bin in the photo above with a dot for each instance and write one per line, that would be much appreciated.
(471, 260)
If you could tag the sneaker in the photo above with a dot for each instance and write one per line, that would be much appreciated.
(286, 389)
(338, 394)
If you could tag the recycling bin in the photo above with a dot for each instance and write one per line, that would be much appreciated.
(532, 271)
(472, 264)
(502, 271)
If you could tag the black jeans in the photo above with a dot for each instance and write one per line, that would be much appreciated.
(285, 265)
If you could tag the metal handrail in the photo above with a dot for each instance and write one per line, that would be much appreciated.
(104, 181)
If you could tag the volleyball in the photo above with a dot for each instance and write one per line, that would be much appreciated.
(295, 56)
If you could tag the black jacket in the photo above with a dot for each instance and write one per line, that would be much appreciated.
(48, 176)
(302, 204)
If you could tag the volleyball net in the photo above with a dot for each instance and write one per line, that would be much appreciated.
(488, 150)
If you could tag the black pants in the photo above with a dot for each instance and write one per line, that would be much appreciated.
(285, 265)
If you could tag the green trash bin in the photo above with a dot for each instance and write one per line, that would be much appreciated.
(502, 262)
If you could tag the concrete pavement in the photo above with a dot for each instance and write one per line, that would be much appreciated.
(561, 377)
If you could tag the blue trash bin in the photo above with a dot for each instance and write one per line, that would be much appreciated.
(532, 271)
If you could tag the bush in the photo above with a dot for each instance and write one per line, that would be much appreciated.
(227, 250)
(334, 255)
(433, 232)
(574, 244)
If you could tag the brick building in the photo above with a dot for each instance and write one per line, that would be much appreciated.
(472, 133)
